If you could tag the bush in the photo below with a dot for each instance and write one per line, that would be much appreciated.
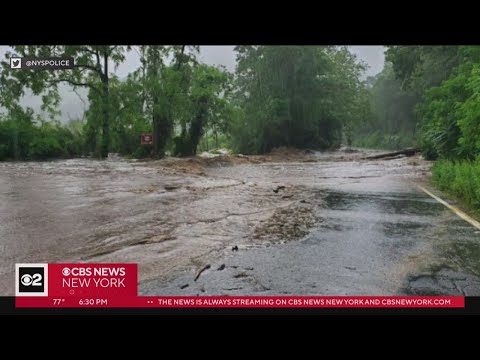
(20, 139)
(141, 152)
(44, 147)
(459, 178)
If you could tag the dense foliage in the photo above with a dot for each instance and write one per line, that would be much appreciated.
(171, 95)
(447, 79)
(298, 96)
(92, 70)
(22, 137)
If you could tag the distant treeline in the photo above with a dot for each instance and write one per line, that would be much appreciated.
(426, 96)
(299, 96)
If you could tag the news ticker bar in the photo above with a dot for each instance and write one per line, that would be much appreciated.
(42, 63)
(115, 286)
(378, 302)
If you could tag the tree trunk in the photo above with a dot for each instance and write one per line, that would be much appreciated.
(156, 136)
(106, 110)
(161, 133)
(406, 152)
(16, 152)
(196, 127)
(161, 126)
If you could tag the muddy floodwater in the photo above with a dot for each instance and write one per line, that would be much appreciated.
(307, 223)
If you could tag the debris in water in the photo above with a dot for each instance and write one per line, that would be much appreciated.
(201, 270)
(234, 288)
(114, 156)
(280, 187)
(184, 286)
(221, 267)
(235, 248)
(241, 275)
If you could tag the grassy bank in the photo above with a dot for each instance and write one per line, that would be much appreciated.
(460, 179)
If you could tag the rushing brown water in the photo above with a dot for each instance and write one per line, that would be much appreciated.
(172, 219)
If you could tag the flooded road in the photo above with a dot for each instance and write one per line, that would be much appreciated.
(320, 223)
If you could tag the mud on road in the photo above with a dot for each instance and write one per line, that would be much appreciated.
(303, 223)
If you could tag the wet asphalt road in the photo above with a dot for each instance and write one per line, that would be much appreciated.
(377, 235)
(366, 228)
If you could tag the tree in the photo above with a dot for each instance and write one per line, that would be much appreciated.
(469, 115)
(422, 67)
(165, 76)
(349, 94)
(300, 96)
(91, 70)
(450, 112)
(129, 120)
(208, 97)
(445, 81)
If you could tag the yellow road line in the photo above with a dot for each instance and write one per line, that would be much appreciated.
(453, 208)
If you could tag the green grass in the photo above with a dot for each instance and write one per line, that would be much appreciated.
(460, 179)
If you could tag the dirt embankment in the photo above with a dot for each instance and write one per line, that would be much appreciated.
(197, 165)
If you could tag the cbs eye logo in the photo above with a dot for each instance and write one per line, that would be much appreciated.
(31, 279)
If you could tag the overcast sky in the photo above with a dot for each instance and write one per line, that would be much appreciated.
(72, 106)
(224, 55)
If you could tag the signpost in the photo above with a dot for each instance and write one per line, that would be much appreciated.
(146, 139)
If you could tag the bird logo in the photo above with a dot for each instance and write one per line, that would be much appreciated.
(15, 63)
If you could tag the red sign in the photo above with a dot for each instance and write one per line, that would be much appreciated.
(146, 139)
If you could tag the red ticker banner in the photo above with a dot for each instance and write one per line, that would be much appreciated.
(244, 302)
(115, 286)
